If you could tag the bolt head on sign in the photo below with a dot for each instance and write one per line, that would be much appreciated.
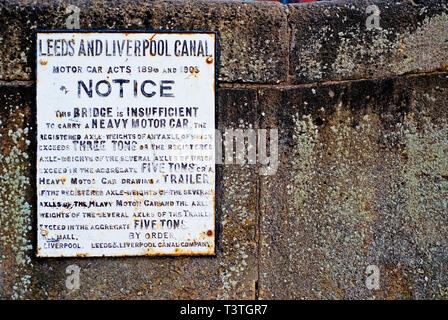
(125, 143)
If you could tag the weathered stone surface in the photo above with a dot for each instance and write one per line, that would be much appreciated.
(16, 191)
(228, 275)
(330, 40)
(363, 180)
(253, 37)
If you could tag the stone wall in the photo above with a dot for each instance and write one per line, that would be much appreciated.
(363, 142)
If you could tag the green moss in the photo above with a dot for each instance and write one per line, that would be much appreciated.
(15, 217)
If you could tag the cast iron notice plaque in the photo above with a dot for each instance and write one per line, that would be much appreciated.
(125, 143)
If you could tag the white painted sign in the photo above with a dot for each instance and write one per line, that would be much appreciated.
(125, 143)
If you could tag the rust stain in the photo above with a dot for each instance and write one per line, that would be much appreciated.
(82, 255)
(43, 62)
